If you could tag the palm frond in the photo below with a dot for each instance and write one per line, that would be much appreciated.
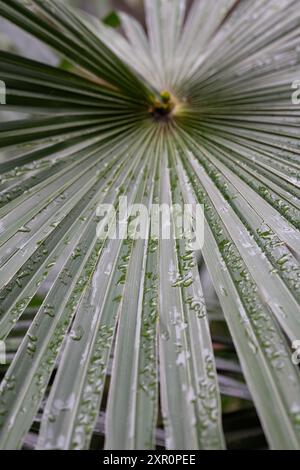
(195, 110)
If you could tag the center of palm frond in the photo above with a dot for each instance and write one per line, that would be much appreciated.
(163, 108)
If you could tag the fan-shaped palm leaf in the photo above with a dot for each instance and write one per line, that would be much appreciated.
(228, 138)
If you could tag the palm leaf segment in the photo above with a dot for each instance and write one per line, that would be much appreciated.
(226, 137)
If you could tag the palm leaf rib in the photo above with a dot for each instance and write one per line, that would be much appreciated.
(121, 337)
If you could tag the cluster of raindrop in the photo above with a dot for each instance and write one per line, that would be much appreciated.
(147, 378)
(269, 242)
(91, 395)
(286, 209)
(209, 406)
(262, 329)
